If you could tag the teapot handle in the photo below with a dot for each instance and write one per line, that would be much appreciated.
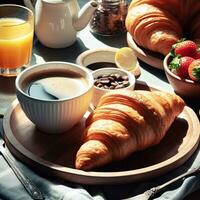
(29, 5)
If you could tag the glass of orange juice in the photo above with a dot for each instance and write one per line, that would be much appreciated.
(16, 38)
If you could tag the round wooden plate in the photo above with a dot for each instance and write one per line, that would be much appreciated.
(151, 58)
(55, 154)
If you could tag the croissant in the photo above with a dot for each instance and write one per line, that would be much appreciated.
(157, 25)
(125, 122)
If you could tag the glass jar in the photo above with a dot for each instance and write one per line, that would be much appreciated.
(109, 18)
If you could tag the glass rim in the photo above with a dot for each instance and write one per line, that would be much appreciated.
(18, 6)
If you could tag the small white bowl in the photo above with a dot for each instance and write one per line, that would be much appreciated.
(99, 92)
(102, 58)
(98, 55)
(54, 116)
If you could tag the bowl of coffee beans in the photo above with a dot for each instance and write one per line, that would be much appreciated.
(109, 79)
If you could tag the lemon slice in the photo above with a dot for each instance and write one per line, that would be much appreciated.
(126, 59)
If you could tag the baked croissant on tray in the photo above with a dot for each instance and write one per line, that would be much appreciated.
(157, 24)
(125, 122)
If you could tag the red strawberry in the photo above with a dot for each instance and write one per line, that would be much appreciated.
(194, 70)
(198, 55)
(179, 66)
(186, 48)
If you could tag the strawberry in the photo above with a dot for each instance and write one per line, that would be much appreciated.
(185, 48)
(197, 56)
(194, 70)
(179, 66)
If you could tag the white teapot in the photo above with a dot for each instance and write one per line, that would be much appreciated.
(57, 21)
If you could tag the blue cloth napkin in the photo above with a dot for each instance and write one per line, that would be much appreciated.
(54, 189)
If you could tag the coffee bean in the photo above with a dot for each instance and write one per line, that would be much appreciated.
(106, 87)
(111, 81)
(114, 84)
(99, 85)
(112, 87)
(104, 80)
(119, 87)
(125, 78)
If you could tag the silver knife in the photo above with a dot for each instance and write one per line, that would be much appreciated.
(30, 187)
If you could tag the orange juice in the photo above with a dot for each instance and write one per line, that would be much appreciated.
(16, 36)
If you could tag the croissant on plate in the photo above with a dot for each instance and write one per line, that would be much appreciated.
(125, 122)
(157, 25)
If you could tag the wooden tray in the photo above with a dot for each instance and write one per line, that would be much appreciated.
(151, 58)
(54, 154)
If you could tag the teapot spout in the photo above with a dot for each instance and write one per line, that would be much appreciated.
(84, 15)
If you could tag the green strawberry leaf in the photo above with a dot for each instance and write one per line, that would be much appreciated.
(175, 63)
(174, 46)
(196, 73)
(198, 48)
(172, 53)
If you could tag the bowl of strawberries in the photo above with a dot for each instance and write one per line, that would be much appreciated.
(182, 68)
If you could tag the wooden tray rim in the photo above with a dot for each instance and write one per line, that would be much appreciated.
(168, 164)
